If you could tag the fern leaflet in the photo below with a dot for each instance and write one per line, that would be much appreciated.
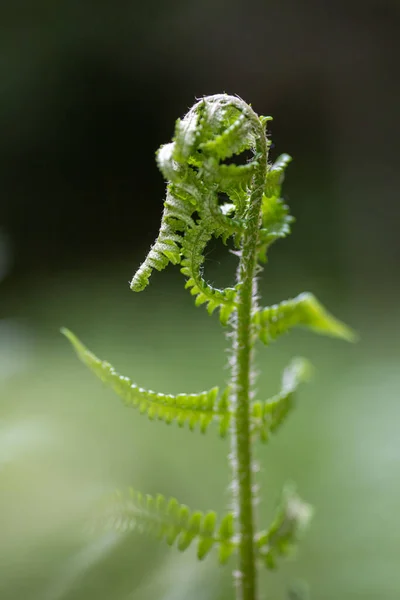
(291, 519)
(304, 311)
(173, 522)
(193, 409)
(267, 416)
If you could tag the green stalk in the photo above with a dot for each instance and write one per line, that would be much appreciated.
(243, 358)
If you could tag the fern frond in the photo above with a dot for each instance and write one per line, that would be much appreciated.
(188, 132)
(192, 250)
(215, 129)
(166, 248)
(275, 175)
(173, 522)
(236, 138)
(276, 223)
(304, 311)
(276, 220)
(291, 519)
(193, 409)
(229, 176)
(267, 416)
(210, 196)
(218, 220)
(265, 119)
(166, 163)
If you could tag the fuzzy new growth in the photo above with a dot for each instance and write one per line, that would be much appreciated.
(198, 170)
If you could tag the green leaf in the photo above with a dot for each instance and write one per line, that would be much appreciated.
(291, 519)
(193, 409)
(267, 416)
(169, 520)
(303, 311)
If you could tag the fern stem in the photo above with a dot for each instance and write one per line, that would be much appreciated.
(243, 357)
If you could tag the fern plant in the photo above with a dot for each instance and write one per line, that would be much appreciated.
(211, 194)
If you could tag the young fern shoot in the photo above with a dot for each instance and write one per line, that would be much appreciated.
(198, 167)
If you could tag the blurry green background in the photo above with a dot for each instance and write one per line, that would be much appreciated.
(88, 91)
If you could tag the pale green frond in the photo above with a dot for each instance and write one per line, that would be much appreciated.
(194, 409)
(218, 220)
(276, 220)
(276, 223)
(235, 181)
(224, 412)
(264, 120)
(276, 174)
(229, 176)
(193, 258)
(214, 129)
(219, 113)
(188, 132)
(291, 519)
(210, 196)
(176, 217)
(303, 311)
(267, 416)
(236, 138)
(167, 165)
(171, 521)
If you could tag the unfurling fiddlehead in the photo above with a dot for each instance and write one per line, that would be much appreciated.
(210, 195)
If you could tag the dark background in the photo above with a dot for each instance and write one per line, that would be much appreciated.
(88, 92)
